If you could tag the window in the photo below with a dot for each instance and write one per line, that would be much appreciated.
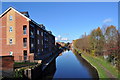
(42, 42)
(10, 29)
(31, 25)
(38, 50)
(25, 54)
(38, 41)
(41, 33)
(24, 29)
(31, 33)
(10, 18)
(11, 53)
(38, 32)
(32, 45)
(10, 41)
(24, 42)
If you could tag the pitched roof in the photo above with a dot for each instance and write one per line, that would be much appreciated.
(15, 11)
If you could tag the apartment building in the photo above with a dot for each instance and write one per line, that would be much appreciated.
(23, 38)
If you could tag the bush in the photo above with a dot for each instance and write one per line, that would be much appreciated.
(19, 73)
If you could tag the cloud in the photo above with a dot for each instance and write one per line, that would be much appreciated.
(64, 39)
(59, 38)
(108, 20)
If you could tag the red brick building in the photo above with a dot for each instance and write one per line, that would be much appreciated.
(23, 38)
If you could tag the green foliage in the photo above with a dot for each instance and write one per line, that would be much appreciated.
(93, 52)
(96, 41)
(19, 73)
(32, 63)
(101, 42)
(97, 61)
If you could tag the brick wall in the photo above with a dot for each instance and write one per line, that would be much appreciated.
(17, 48)
(6, 66)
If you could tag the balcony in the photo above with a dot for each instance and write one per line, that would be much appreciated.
(24, 32)
(25, 44)
(24, 29)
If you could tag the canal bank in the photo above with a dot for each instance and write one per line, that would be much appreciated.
(105, 69)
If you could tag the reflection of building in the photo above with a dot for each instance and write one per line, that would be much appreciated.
(62, 44)
(24, 38)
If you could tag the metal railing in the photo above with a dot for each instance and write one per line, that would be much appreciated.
(24, 32)
(25, 44)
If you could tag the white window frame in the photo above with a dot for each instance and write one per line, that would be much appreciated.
(10, 41)
(38, 41)
(42, 42)
(41, 33)
(11, 53)
(38, 32)
(25, 31)
(10, 29)
(38, 50)
(32, 45)
(10, 18)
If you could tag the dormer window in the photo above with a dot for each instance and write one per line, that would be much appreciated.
(10, 18)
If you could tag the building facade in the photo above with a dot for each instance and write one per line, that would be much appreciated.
(23, 38)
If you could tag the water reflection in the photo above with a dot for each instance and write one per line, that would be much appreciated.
(89, 68)
(49, 71)
(69, 65)
(60, 54)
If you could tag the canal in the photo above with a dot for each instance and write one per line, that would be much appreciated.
(70, 65)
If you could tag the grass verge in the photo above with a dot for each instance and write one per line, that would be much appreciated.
(94, 61)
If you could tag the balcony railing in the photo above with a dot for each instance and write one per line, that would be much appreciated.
(24, 32)
(25, 44)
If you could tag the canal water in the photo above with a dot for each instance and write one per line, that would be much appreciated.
(70, 65)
